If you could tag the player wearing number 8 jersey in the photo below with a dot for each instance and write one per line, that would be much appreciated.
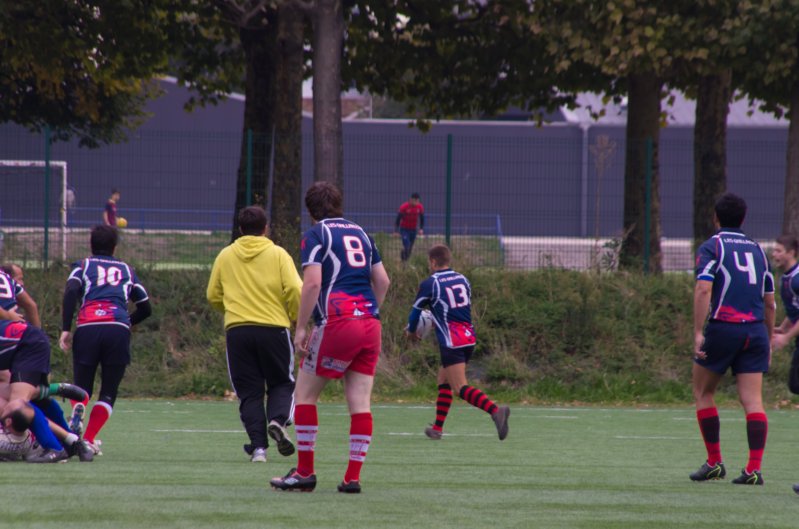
(104, 285)
(449, 296)
(733, 324)
(344, 284)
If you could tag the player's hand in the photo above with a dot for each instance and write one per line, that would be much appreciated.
(301, 341)
(778, 341)
(395, 234)
(412, 336)
(65, 341)
(13, 315)
(421, 232)
(699, 342)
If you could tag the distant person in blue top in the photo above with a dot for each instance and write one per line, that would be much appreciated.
(733, 325)
(448, 294)
(785, 258)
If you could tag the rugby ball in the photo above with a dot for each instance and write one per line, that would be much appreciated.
(425, 325)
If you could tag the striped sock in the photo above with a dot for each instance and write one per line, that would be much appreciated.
(478, 399)
(443, 404)
(756, 432)
(101, 412)
(710, 427)
(361, 425)
(306, 425)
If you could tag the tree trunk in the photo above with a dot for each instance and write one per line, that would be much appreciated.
(287, 185)
(710, 150)
(328, 41)
(643, 133)
(260, 51)
(790, 214)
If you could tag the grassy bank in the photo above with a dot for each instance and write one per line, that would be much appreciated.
(545, 336)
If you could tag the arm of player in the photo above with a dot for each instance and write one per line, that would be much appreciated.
(142, 312)
(10, 315)
(421, 223)
(413, 321)
(292, 285)
(311, 285)
(784, 333)
(214, 293)
(770, 310)
(68, 305)
(27, 304)
(702, 292)
(380, 283)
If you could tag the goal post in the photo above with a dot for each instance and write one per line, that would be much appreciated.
(61, 167)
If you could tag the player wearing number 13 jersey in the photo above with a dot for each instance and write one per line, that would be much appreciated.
(733, 323)
(449, 296)
(104, 285)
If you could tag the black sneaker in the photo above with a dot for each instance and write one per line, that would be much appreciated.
(294, 482)
(284, 445)
(82, 450)
(353, 487)
(707, 472)
(433, 434)
(501, 421)
(796, 488)
(48, 456)
(68, 391)
(755, 478)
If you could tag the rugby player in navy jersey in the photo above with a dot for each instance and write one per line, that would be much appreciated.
(344, 285)
(448, 294)
(785, 258)
(733, 325)
(104, 285)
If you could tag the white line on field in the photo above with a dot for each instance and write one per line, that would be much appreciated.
(411, 434)
(654, 437)
(198, 431)
(555, 417)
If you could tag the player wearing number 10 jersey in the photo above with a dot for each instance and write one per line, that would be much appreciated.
(733, 323)
(449, 296)
(104, 285)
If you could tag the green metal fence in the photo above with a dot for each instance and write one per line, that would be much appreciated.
(536, 198)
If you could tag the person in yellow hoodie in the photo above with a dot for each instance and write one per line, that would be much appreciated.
(256, 284)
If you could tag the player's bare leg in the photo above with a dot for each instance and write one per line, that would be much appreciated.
(750, 392)
(456, 376)
(306, 425)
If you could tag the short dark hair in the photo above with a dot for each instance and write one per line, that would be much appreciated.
(104, 239)
(730, 210)
(114, 190)
(323, 201)
(415, 195)
(790, 243)
(440, 255)
(252, 220)
(9, 268)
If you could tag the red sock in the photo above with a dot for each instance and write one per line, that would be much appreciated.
(756, 432)
(443, 404)
(306, 425)
(101, 411)
(85, 401)
(360, 437)
(710, 427)
(478, 399)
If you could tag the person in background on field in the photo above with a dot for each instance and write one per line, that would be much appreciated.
(110, 211)
(256, 285)
(733, 281)
(103, 285)
(449, 296)
(785, 258)
(344, 285)
(409, 223)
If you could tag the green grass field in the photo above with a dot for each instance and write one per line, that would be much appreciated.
(180, 464)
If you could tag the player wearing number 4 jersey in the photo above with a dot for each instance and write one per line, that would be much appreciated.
(344, 284)
(104, 285)
(449, 296)
(733, 324)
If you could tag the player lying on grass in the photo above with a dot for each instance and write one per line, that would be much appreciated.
(449, 296)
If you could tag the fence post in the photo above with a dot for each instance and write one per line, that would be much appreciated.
(46, 248)
(448, 219)
(248, 200)
(648, 204)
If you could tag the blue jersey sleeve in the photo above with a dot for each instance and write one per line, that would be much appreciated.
(706, 261)
(312, 246)
(423, 299)
(376, 259)
(137, 290)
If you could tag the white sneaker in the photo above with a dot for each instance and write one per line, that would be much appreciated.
(258, 455)
(95, 446)
(278, 433)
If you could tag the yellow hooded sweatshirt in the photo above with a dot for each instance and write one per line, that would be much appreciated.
(255, 282)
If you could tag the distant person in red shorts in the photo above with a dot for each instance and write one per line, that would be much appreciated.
(110, 211)
(409, 222)
(344, 284)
